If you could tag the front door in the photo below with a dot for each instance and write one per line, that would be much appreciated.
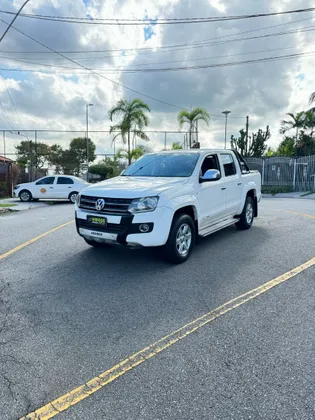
(63, 187)
(211, 195)
(44, 188)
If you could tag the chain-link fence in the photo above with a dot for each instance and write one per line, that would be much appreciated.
(295, 173)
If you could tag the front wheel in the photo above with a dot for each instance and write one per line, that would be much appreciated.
(25, 196)
(181, 239)
(247, 216)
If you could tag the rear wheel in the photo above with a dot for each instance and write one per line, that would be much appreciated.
(247, 216)
(181, 239)
(25, 196)
(96, 244)
(73, 196)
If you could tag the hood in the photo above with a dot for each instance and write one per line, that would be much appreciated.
(133, 186)
(25, 184)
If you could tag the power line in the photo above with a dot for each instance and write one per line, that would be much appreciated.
(168, 69)
(95, 73)
(11, 100)
(146, 21)
(115, 69)
(171, 47)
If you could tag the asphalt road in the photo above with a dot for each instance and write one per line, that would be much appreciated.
(69, 312)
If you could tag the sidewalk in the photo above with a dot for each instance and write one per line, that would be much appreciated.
(14, 204)
(291, 195)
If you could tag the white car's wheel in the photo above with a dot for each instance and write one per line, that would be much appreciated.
(25, 196)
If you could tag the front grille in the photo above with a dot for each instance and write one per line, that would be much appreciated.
(112, 205)
(109, 228)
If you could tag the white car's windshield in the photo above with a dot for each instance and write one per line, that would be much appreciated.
(164, 165)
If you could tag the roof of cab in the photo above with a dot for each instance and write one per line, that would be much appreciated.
(202, 151)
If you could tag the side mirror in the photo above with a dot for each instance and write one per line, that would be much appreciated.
(211, 175)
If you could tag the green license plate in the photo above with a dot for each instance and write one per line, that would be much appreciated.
(94, 220)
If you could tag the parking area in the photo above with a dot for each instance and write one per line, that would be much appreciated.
(69, 314)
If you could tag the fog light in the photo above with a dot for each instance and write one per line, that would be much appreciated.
(144, 228)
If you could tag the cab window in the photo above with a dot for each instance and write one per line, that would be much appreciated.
(46, 181)
(64, 181)
(228, 164)
(210, 162)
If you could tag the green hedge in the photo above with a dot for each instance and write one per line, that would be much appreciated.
(276, 189)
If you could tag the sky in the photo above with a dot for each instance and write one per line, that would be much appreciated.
(36, 94)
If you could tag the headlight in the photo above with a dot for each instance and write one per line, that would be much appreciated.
(141, 205)
(78, 199)
(16, 187)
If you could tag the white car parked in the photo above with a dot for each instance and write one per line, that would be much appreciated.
(169, 199)
(50, 187)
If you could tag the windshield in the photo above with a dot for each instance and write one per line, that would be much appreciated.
(164, 165)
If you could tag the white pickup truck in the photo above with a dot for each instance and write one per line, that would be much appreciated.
(168, 199)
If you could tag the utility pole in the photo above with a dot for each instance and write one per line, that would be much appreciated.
(197, 140)
(4, 151)
(36, 158)
(226, 113)
(87, 139)
(246, 137)
(165, 141)
(9, 26)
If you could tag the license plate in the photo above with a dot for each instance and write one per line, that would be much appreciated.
(94, 220)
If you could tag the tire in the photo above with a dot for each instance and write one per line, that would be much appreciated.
(73, 196)
(247, 216)
(25, 196)
(181, 239)
(96, 244)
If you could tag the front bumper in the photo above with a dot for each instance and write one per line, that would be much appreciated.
(124, 230)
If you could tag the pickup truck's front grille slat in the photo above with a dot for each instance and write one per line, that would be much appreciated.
(112, 205)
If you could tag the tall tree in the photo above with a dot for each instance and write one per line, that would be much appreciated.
(296, 122)
(309, 120)
(134, 120)
(287, 147)
(191, 118)
(258, 144)
(240, 143)
(31, 154)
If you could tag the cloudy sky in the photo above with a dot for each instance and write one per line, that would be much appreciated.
(38, 92)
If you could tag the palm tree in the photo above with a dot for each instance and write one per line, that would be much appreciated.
(297, 121)
(133, 154)
(134, 119)
(192, 117)
(310, 120)
(312, 98)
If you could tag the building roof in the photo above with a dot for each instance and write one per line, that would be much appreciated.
(5, 160)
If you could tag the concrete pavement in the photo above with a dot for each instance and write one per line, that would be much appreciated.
(69, 312)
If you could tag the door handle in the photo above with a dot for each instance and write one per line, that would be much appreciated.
(223, 188)
(69, 187)
(239, 183)
(51, 188)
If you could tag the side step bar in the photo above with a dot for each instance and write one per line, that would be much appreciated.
(218, 226)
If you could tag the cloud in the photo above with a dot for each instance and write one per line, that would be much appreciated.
(264, 91)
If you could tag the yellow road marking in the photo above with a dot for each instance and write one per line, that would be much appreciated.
(31, 241)
(78, 394)
(300, 214)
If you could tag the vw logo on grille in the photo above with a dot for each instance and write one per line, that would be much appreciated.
(100, 204)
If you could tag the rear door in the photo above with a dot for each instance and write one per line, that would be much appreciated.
(233, 182)
(211, 195)
(44, 188)
(64, 186)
